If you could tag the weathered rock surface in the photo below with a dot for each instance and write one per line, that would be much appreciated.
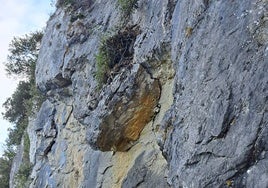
(127, 106)
(197, 85)
(216, 130)
(86, 137)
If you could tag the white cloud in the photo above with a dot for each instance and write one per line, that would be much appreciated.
(17, 17)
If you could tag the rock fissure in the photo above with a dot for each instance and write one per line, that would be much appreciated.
(49, 147)
(106, 169)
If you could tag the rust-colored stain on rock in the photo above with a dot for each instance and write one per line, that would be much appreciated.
(141, 117)
(121, 128)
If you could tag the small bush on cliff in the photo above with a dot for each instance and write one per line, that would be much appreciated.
(75, 17)
(114, 52)
(127, 6)
(26, 146)
(102, 59)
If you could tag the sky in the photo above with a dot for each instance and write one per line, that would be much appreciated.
(17, 18)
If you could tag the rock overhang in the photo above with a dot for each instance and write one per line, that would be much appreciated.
(124, 113)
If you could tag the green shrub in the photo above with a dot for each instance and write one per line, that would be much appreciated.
(75, 17)
(114, 52)
(127, 6)
(26, 146)
(22, 177)
(101, 66)
(34, 103)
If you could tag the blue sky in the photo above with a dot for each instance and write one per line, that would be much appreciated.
(17, 18)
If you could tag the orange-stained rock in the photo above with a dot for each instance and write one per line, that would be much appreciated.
(128, 115)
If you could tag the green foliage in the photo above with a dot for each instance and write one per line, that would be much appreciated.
(9, 153)
(127, 6)
(5, 166)
(24, 101)
(22, 177)
(16, 112)
(68, 4)
(26, 98)
(75, 17)
(102, 69)
(33, 104)
(15, 134)
(114, 52)
(26, 146)
(23, 54)
(14, 106)
(102, 60)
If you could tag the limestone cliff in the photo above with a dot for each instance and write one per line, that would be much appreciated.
(182, 103)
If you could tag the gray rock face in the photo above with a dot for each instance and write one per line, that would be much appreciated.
(216, 131)
(142, 175)
(78, 119)
(132, 91)
(196, 85)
